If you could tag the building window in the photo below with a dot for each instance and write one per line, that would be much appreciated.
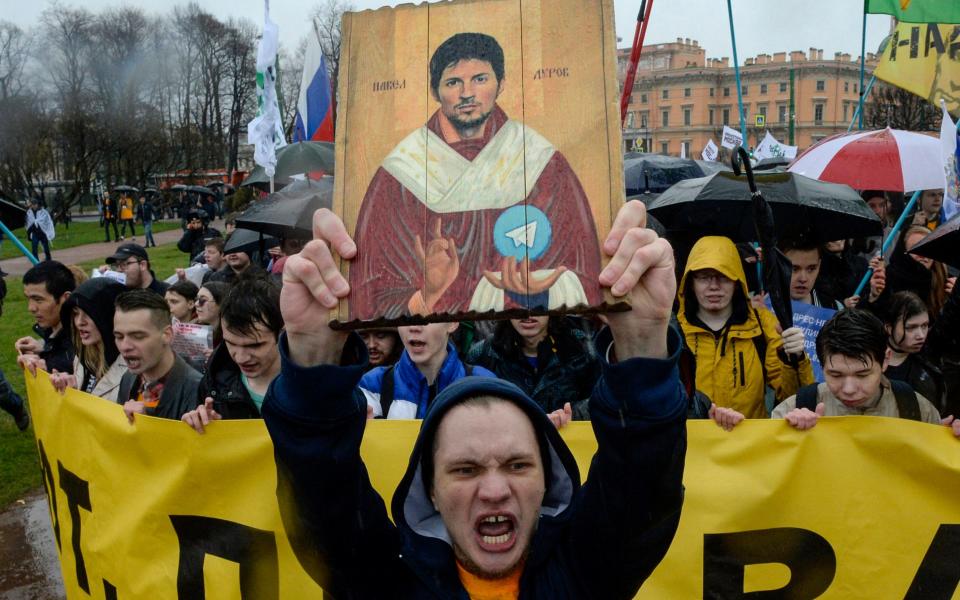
(710, 117)
(630, 118)
(783, 86)
(726, 116)
(762, 110)
(664, 147)
(854, 88)
(845, 111)
(686, 92)
(818, 113)
(686, 116)
(643, 98)
(711, 92)
(665, 94)
(685, 149)
(821, 85)
(846, 86)
(763, 88)
(782, 113)
(643, 120)
(744, 89)
(666, 118)
(726, 92)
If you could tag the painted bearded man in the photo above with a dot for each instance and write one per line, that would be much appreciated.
(473, 212)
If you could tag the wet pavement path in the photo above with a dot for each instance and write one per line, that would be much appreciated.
(29, 565)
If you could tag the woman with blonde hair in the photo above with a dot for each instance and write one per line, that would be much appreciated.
(87, 317)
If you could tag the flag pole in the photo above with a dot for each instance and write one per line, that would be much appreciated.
(736, 71)
(890, 237)
(863, 62)
(859, 113)
(16, 242)
(643, 17)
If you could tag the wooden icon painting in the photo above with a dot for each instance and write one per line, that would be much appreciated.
(478, 158)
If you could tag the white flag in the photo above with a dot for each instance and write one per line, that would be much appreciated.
(265, 131)
(771, 148)
(683, 150)
(710, 151)
(948, 142)
(731, 138)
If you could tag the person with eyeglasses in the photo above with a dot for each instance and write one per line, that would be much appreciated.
(737, 348)
(133, 262)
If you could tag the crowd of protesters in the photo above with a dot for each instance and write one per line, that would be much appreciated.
(894, 352)
(741, 363)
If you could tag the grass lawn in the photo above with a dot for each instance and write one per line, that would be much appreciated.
(78, 234)
(19, 467)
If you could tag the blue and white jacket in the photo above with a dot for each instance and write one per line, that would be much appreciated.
(412, 395)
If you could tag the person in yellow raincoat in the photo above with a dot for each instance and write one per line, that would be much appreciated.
(126, 217)
(738, 349)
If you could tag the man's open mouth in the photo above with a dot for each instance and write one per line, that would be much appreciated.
(417, 344)
(496, 533)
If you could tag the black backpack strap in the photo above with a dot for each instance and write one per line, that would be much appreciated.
(468, 369)
(907, 404)
(807, 397)
(386, 392)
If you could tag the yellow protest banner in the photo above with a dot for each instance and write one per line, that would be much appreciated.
(857, 508)
(924, 59)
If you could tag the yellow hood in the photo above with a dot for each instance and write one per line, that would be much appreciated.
(713, 252)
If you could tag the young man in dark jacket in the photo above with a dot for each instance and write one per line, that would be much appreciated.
(492, 494)
(47, 286)
(243, 366)
(157, 382)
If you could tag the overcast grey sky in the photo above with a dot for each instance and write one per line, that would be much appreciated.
(761, 25)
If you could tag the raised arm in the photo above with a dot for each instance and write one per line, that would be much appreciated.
(334, 519)
(630, 503)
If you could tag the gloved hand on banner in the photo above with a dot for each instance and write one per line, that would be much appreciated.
(793, 340)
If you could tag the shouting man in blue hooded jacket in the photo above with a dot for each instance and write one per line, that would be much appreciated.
(491, 505)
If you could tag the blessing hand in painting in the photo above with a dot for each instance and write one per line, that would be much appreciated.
(441, 265)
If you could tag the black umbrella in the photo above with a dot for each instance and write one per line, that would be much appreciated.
(199, 189)
(943, 244)
(214, 183)
(293, 161)
(12, 215)
(126, 188)
(655, 172)
(711, 166)
(178, 188)
(246, 240)
(720, 204)
(150, 190)
(289, 212)
(775, 163)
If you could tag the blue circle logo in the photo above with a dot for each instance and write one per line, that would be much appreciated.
(522, 231)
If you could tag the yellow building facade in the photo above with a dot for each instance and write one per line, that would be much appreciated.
(681, 99)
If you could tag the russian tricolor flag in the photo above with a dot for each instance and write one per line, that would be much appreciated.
(314, 120)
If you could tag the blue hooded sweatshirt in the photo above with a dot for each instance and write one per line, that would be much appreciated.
(598, 540)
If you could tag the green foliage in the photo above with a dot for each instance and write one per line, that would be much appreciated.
(239, 200)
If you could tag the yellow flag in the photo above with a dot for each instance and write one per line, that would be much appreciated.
(924, 59)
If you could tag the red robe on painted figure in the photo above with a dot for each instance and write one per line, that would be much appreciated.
(428, 177)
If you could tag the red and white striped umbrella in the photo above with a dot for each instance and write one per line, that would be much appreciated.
(888, 159)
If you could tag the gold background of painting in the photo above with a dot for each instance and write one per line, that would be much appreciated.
(578, 114)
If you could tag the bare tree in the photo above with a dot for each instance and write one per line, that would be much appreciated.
(14, 51)
(897, 108)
